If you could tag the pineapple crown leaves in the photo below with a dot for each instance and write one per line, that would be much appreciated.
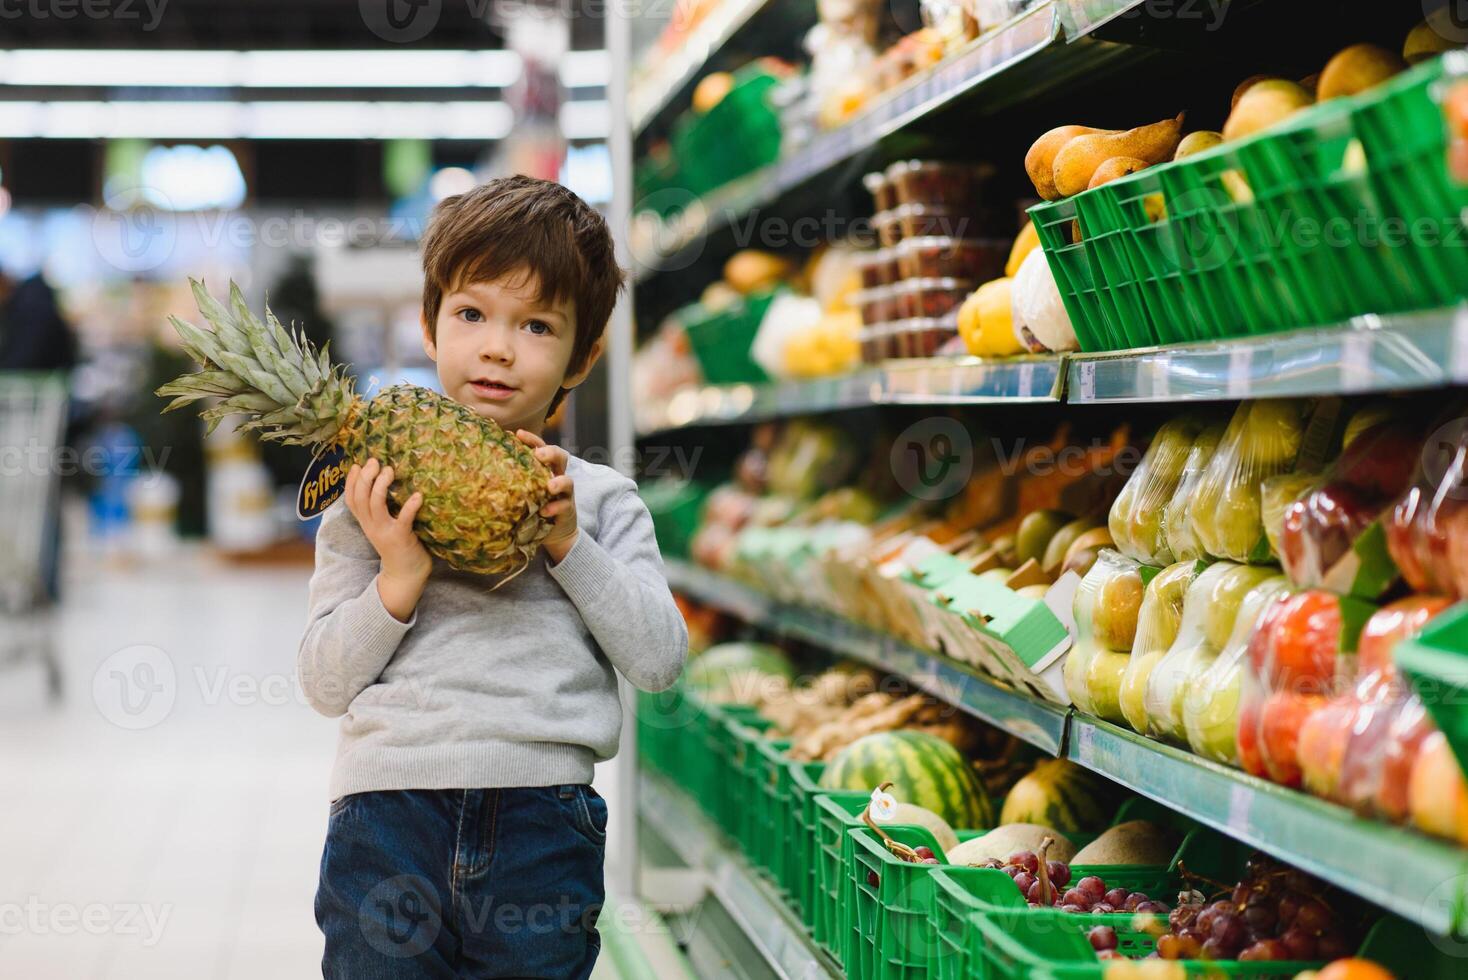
(289, 390)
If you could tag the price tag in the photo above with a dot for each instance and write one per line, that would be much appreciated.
(1027, 381)
(1087, 380)
(1240, 372)
(884, 806)
(1161, 367)
(1085, 754)
(1355, 360)
(1460, 345)
(1240, 802)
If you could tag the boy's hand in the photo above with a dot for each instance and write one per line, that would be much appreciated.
(405, 562)
(562, 507)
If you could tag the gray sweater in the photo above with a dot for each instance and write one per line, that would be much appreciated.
(484, 689)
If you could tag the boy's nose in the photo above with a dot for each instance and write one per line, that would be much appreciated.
(497, 347)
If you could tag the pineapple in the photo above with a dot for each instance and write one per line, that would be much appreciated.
(482, 487)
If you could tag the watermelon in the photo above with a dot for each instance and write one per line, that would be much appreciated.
(729, 668)
(923, 769)
(1060, 794)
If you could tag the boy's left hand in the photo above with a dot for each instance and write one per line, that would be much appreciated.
(561, 510)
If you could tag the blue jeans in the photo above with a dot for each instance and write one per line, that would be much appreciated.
(463, 883)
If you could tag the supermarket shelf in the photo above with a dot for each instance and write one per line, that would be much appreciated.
(1372, 353)
(764, 918)
(1414, 876)
(651, 93)
(1037, 722)
(924, 381)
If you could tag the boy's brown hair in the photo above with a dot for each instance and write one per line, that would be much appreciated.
(513, 222)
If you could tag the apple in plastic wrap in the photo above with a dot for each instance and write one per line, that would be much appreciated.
(1158, 620)
(1438, 794)
(1320, 528)
(1177, 525)
(1411, 725)
(1262, 440)
(1281, 717)
(1224, 600)
(1169, 677)
(1211, 700)
(1106, 606)
(1136, 516)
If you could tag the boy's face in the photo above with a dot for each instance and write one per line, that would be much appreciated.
(502, 352)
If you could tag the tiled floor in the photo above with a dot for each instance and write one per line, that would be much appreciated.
(165, 820)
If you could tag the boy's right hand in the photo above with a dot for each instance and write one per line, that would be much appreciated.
(405, 562)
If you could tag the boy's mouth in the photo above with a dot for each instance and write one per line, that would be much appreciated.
(492, 390)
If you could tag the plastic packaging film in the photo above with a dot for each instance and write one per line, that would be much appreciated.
(1158, 622)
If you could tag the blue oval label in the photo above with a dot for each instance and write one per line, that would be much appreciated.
(325, 480)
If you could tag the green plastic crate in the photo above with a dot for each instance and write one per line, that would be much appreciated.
(745, 806)
(1071, 264)
(805, 778)
(836, 812)
(722, 784)
(771, 842)
(721, 341)
(676, 507)
(737, 136)
(1436, 662)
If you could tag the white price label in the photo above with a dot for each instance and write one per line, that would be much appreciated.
(1460, 345)
(1084, 752)
(1087, 377)
(1026, 380)
(1240, 802)
(1161, 367)
(1355, 360)
(1240, 371)
(884, 806)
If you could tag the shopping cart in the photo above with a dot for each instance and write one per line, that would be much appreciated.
(32, 425)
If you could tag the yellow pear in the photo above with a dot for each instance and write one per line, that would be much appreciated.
(1356, 69)
(1078, 159)
(1115, 167)
(711, 90)
(985, 321)
(1040, 160)
(1244, 86)
(1197, 142)
(1264, 105)
(1426, 41)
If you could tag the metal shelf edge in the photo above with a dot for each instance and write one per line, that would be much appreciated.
(766, 921)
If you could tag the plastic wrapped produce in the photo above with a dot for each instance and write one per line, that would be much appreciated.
(1211, 699)
(1427, 531)
(1177, 527)
(1157, 626)
(1263, 439)
(1302, 654)
(1319, 543)
(1107, 604)
(1209, 610)
(1342, 751)
(1136, 515)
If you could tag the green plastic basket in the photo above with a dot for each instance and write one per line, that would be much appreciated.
(745, 805)
(676, 507)
(721, 341)
(738, 135)
(836, 812)
(805, 867)
(770, 842)
(723, 785)
(1436, 662)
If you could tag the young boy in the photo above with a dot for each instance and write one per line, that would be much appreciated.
(464, 836)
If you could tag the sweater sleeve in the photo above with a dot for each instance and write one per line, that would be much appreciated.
(616, 581)
(350, 636)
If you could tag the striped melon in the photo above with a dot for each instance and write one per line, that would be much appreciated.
(923, 769)
(1060, 794)
(732, 665)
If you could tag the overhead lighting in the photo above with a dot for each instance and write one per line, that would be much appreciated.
(256, 120)
(110, 68)
(586, 69)
(584, 120)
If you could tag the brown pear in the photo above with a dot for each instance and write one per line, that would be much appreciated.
(1077, 160)
(1040, 160)
(1197, 142)
(1264, 105)
(1356, 69)
(1116, 167)
(1244, 86)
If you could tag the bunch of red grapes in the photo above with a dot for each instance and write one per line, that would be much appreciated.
(1053, 889)
(1275, 913)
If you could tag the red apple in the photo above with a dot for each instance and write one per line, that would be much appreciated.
(1248, 739)
(1392, 623)
(1404, 739)
(1303, 641)
(1380, 461)
(1320, 528)
(1402, 540)
(1323, 739)
(1280, 720)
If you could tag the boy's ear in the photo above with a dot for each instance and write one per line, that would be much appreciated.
(429, 347)
(575, 378)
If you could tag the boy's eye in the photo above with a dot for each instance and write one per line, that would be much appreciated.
(538, 327)
(471, 314)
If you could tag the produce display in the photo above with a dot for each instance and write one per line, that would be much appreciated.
(482, 488)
